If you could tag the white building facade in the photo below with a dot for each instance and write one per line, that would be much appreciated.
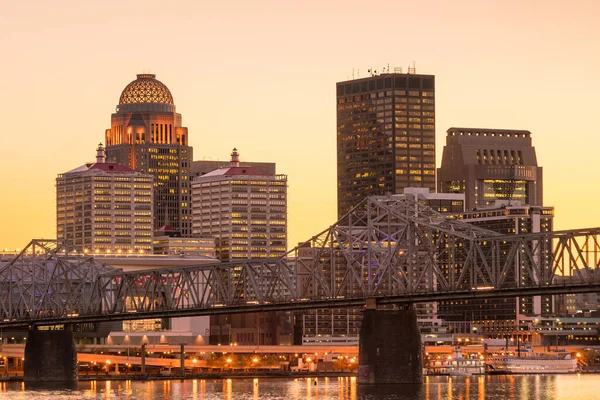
(105, 208)
(244, 209)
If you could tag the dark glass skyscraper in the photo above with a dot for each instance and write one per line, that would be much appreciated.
(385, 136)
(146, 135)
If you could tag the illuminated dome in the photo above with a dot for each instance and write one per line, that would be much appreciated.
(146, 93)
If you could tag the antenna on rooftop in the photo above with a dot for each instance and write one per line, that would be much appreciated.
(412, 69)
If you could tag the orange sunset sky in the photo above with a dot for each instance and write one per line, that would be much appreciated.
(260, 76)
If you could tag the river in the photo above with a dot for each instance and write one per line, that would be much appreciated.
(512, 387)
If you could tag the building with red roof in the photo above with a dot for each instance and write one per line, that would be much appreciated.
(105, 207)
(245, 209)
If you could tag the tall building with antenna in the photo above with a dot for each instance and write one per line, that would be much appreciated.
(147, 135)
(385, 135)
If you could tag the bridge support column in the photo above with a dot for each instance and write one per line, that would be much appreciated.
(389, 347)
(50, 355)
(182, 359)
(143, 359)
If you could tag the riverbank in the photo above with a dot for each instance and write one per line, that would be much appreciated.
(219, 375)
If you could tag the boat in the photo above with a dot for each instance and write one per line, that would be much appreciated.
(455, 365)
(528, 362)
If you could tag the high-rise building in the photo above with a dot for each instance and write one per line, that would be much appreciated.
(497, 171)
(490, 164)
(501, 316)
(146, 135)
(342, 326)
(105, 207)
(245, 210)
(385, 136)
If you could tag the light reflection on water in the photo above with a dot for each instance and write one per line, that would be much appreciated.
(511, 387)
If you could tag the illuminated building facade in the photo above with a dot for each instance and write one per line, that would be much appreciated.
(385, 136)
(342, 326)
(245, 210)
(497, 316)
(490, 164)
(105, 207)
(168, 241)
(146, 135)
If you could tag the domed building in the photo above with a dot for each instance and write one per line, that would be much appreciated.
(146, 135)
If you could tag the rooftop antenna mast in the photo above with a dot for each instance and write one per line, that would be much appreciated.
(412, 69)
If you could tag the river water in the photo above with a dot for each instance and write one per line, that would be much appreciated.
(512, 387)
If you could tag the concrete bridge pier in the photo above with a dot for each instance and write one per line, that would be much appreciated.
(389, 347)
(50, 355)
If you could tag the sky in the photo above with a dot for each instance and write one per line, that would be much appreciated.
(260, 76)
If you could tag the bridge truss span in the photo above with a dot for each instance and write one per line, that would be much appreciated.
(391, 248)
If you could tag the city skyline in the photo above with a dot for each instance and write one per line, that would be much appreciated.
(529, 67)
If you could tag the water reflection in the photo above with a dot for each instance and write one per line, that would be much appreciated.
(565, 387)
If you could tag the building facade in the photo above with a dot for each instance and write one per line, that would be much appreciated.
(168, 241)
(105, 208)
(147, 135)
(497, 316)
(385, 136)
(342, 326)
(245, 210)
(490, 164)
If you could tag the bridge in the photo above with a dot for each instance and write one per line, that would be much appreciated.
(389, 250)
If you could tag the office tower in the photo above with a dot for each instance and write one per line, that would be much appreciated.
(497, 171)
(497, 316)
(490, 164)
(342, 326)
(105, 207)
(146, 135)
(245, 210)
(385, 136)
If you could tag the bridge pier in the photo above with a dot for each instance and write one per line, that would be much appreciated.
(143, 360)
(50, 355)
(389, 347)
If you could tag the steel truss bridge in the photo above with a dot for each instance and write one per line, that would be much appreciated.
(390, 248)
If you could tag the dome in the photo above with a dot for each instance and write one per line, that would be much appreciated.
(146, 89)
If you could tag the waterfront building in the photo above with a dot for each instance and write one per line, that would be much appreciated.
(490, 164)
(147, 135)
(342, 326)
(105, 207)
(578, 304)
(501, 315)
(245, 210)
(385, 136)
(498, 173)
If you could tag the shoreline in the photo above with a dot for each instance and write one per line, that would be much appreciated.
(222, 375)
(271, 375)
